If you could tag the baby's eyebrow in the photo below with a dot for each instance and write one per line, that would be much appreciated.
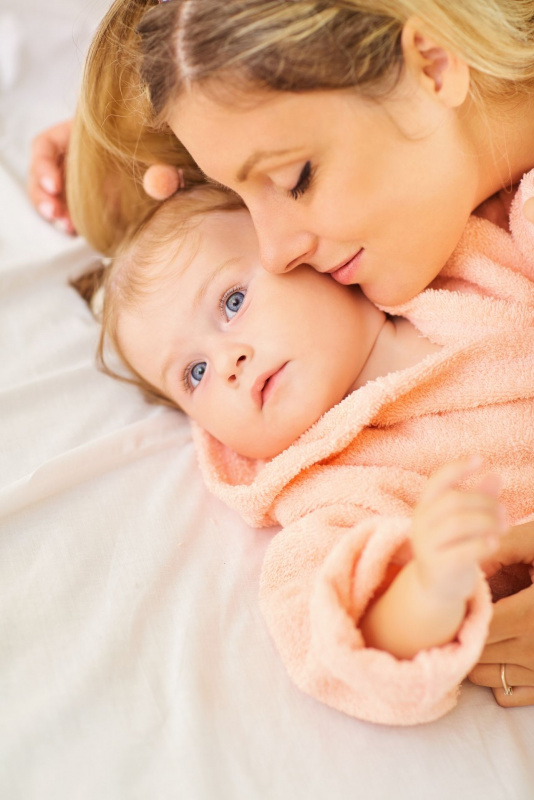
(204, 286)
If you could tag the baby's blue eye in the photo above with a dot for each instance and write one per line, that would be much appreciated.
(196, 373)
(233, 303)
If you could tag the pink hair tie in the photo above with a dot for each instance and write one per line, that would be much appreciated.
(161, 181)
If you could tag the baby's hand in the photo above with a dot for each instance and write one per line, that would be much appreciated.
(454, 530)
(46, 178)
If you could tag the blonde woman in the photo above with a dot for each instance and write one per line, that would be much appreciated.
(360, 134)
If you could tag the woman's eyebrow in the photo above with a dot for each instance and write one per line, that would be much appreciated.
(258, 155)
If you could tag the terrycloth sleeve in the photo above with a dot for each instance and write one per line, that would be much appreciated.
(318, 577)
(521, 228)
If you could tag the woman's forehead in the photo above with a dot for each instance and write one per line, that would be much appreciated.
(281, 122)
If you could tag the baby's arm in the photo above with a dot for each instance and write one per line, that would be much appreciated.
(452, 532)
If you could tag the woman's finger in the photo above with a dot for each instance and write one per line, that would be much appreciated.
(517, 547)
(490, 675)
(513, 617)
(521, 696)
(519, 679)
(48, 206)
(46, 180)
(54, 210)
(46, 166)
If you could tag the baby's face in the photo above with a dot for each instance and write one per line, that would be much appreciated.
(254, 358)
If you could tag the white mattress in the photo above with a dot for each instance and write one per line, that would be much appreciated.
(134, 663)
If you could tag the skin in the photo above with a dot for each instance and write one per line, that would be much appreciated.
(438, 156)
(495, 150)
(355, 198)
(397, 178)
(323, 333)
(452, 531)
(214, 324)
(46, 177)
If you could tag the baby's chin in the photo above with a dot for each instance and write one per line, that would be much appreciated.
(261, 449)
(260, 453)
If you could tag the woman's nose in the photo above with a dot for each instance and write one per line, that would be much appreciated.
(283, 243)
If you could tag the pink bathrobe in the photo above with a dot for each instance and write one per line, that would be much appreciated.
(344, 492)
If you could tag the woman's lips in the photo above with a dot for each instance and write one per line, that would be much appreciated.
(346, 272)
(265, 384)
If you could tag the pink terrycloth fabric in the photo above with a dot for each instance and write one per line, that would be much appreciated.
(344, 492)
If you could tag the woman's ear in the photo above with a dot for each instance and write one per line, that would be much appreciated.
(439, 72)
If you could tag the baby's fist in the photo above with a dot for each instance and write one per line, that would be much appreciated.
(455, 529)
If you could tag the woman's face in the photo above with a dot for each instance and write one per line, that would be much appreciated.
(376, 193)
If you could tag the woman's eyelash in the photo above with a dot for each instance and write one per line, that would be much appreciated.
(304, 181)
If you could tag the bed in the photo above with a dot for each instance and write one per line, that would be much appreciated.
(134, 662)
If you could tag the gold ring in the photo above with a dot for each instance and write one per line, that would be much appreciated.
(507, 689)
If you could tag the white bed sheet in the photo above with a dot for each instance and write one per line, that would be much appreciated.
(134, 663)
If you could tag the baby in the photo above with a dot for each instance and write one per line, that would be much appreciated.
(355, 430)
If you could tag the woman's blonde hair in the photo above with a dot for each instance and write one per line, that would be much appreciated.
(141, 62)
(115, 135)
(306, 45)
(145, 258)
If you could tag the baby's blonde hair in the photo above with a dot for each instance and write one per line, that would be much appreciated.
(147, 53)
(144, 259)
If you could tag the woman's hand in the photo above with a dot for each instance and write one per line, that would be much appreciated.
(511, 636)
(46, 179)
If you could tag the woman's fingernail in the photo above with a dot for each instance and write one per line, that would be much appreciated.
(48, 184)
(62, 225)
(46, 210)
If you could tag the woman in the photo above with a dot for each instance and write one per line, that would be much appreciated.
(361, 134)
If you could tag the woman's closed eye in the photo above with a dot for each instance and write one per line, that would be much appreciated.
(304, 181)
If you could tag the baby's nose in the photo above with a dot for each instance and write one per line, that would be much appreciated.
(236, 368)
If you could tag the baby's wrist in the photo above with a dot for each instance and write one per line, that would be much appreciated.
(437, 596)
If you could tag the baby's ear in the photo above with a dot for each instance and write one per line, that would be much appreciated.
(161, 181)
